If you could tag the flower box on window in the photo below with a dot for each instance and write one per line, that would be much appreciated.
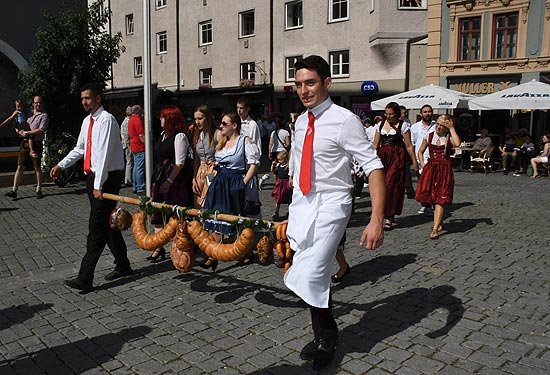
(247, 83)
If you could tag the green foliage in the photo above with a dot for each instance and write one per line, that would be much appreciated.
(73, 49)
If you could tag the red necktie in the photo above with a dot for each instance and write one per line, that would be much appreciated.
(307, 152)
(88, 156)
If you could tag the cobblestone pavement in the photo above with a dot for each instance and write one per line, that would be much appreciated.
(474, 301)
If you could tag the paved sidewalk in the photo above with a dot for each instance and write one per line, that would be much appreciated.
(473, 302)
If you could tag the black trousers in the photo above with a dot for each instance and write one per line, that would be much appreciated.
(323, 323)
(99, 230)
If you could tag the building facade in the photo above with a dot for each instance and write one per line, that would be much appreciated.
(484, 46)
(212, 51)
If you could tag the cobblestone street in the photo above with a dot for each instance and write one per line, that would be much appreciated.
(474, 301)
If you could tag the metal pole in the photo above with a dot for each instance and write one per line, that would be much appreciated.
(147, 95)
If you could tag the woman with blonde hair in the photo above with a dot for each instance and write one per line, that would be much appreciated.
(237, 159)
(436, 183)
(205, 139)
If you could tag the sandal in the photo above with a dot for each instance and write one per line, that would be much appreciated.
(388, 225)
(535, 176)
(434, 235)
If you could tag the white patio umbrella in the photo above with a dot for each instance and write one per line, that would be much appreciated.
(436, 96)
(530, 95)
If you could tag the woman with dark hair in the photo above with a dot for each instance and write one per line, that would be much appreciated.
(205, 139)
(392, 140)
(171, 180)
(237, 158)
(436, 183)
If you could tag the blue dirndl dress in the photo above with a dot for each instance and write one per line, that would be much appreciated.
(226, 193)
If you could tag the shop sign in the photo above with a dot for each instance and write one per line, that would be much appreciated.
(369, 87)
(481, 88)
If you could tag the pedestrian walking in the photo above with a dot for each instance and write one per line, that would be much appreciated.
(326, 137)
(99, 144)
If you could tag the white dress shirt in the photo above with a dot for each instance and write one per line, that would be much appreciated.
(250, 128)
(107, 152)
(339, 135)
(418, 132)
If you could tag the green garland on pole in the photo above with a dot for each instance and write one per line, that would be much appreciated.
(257, 224)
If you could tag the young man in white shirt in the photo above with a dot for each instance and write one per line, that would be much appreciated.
(326, 137)
(100, 146)
(249, 127)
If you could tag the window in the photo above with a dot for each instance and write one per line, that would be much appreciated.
(339, 64)
(338, 10)
(129, 24)
(205, 76)
(293, 15)
(160, 4)
(248, 71)
(289, 67)
(505, 28)
(412, 4)
(205, 33)
(246, 24)
(162, 42)
(470, 38)
(138, 67)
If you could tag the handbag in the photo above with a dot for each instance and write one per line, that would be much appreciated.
(159, 172)
(252, 204)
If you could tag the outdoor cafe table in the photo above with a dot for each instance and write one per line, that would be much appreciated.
(468, 149)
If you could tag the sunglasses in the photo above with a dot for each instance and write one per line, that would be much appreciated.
(225, 123)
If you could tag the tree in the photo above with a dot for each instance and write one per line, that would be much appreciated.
(74, 48)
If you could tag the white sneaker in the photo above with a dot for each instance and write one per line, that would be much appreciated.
(422, 210)
(265, 177)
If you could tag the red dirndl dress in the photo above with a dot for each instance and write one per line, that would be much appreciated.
(391, 152)
(436, 183)
(282, 193)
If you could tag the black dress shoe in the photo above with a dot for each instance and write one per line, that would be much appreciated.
(78, 284)
(116, 274)
(246, 260)
(39, 194)
(11, 194)
(324, 353)
(338, 279)
(308, 351)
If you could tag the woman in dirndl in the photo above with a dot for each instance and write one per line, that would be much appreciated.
(173, 171)
(237, 159)
(392, 140)
(205, 139)
(436, 183)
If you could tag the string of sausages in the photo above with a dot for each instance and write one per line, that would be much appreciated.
(193, 233)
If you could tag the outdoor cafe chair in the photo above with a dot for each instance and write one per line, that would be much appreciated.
(482, 160)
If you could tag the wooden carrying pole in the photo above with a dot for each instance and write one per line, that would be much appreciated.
(190, 211)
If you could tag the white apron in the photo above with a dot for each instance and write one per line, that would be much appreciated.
(316, 224)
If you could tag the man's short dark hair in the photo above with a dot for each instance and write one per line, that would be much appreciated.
(96, 88)
(244, 101)
(426, 106)
(314, 62)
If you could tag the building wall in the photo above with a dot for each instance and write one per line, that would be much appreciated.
(487, 74)
(377, 34)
